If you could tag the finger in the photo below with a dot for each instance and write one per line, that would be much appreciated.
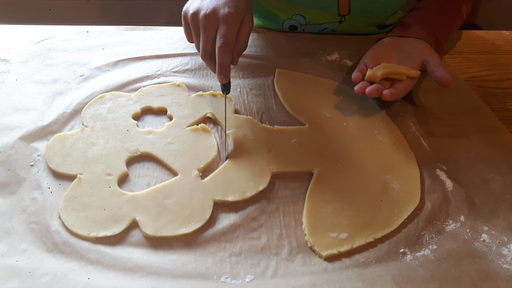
(224, 50)
(361, 87)
(208, 38)
(359, 72)
(242, 38)
(195, 27)
(186, 27)
(375, 90)
(438, 72)
(398, 90)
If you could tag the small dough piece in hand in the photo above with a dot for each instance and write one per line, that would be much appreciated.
(391, 71)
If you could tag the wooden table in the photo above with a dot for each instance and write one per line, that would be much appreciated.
(484, 60)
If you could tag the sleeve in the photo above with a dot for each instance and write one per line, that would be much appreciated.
(432, 21)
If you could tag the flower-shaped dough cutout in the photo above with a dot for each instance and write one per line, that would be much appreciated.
(366, 180)
(94, 205)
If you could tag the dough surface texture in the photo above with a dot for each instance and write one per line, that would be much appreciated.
(365, 183)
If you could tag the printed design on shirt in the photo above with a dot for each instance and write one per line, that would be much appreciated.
(299, 23)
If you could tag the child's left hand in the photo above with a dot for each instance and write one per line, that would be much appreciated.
(410, 52)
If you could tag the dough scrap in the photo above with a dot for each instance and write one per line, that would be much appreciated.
(366, 180)
(391, 71)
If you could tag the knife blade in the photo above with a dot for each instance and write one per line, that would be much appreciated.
(226, 89)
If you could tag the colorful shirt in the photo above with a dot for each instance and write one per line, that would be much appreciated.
(328, 16)
(433, 21)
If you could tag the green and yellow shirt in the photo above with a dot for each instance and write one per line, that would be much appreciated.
(328, 16)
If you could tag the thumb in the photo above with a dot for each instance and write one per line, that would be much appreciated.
(438, 72)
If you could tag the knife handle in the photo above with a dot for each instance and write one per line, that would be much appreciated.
(226, 88)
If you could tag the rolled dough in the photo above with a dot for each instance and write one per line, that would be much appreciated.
(366, 180)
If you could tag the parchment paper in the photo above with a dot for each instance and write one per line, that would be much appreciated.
(459, 236)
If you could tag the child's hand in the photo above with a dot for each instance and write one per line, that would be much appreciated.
(220, 29)
(408, 52)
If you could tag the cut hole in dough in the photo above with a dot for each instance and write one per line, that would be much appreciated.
(222, 156)
(144, 172)
(152, 118)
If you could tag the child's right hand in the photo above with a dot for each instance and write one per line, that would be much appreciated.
(220, 29)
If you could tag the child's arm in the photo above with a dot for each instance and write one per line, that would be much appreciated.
(433, 21)
(220, 29)
(415, 41)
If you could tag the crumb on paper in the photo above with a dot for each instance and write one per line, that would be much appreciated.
(227, 279)
(461, 218)
(34, 161)
(332, 57)
(418, 135)
(486, 243)
(347, 62)
(507, 251)
(450, 225)
(295, 142)
(428, 240)
(424, 252)
(408, 257)
(448, 183)
(498, 250)
(427, 251)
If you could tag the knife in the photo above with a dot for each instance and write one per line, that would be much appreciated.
(226, 89)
